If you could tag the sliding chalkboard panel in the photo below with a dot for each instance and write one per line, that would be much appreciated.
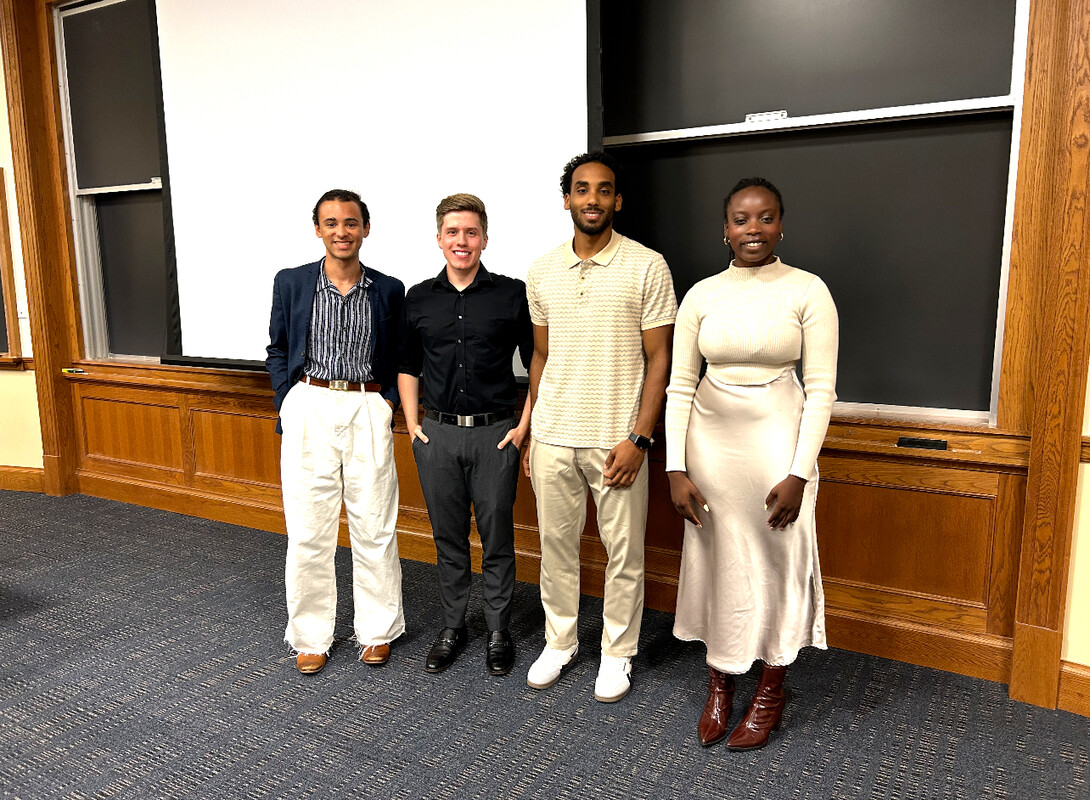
(130, 231)
(113, 96)
(689, 63)
(904, 221)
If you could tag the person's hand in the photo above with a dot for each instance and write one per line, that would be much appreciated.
(622, 465)
(684, 494)
(526, 460)
(390, 403)
(515, 436)
(417, 433)
(784, 501)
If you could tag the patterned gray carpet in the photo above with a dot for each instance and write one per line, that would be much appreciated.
(142, 658)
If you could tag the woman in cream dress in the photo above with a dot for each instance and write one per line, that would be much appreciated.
(742, 450)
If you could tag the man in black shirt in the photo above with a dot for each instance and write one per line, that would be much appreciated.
(460, 330)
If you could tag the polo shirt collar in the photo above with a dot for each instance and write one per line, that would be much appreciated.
(602, 257)
(483, 276)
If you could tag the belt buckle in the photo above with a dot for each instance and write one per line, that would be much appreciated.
(465, 422)
(339, 386)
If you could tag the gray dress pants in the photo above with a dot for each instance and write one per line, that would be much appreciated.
(461, 468)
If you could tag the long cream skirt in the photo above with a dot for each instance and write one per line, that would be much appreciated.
(746, 591)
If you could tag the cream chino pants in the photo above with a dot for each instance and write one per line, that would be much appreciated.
(561, 477)
(338, 446)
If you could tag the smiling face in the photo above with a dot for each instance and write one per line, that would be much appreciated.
(753, 226)
(340, 227)
(593, 198)
(461, 238)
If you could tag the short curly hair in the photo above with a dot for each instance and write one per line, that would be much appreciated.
(593, 157)
(342, 196)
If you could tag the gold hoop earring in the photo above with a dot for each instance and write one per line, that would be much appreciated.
(728, 243)
(781, 236)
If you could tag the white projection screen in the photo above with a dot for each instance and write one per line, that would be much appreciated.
(269, 103)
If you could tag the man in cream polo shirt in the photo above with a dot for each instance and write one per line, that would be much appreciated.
(603, 309)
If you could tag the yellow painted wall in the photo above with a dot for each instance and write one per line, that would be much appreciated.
(20, 428)
(1077, 625)
(1077, 633)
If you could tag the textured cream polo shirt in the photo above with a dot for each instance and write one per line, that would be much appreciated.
(596, 311)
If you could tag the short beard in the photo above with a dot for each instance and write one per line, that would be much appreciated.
(592, 229)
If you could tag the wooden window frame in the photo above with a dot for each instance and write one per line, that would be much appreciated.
(12, 358)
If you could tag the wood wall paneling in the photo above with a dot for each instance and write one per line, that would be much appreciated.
(233, 442)
(135, 437)
(889, 525)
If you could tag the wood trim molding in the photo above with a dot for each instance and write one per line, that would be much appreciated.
(1084, 451)
(41, 196)
(974, 654)
(1053, 184)
(22, 479)
(1075, 689)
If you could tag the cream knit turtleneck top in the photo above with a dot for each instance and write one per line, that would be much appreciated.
(751, 324)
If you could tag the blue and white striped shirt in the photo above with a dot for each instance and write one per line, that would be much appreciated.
(341, 337)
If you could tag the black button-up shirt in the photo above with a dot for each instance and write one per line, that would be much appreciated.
(461, 343)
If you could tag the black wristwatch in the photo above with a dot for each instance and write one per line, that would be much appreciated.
(641, 442)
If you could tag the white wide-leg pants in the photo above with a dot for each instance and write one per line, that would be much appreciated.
(338, 446)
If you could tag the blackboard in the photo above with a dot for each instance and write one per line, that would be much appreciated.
(131, 246)
(903, 221)
(689, 63)
(113, 95)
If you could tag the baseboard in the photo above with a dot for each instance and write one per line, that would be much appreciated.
(972, 654)
(22, 479)
(1074, 688)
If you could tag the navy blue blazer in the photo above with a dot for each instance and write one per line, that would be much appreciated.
(289, 324)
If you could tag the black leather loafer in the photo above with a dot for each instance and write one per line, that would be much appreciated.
(501, 652)
(446, 649)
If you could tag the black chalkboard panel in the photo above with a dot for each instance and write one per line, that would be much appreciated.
(113, 95)
(687, 63)
(903, 221)
(130, 231)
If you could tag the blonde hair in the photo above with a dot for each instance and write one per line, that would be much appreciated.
(461, 202)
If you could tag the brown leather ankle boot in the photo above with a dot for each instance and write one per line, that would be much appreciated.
(764, 713)
(713, 722)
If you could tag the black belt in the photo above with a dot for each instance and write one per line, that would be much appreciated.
(467, 421)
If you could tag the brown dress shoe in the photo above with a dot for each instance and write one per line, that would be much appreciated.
(375, 655)
(764, 713)
(310, 663)
(713, 722)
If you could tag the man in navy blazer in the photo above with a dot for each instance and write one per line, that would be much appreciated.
(332, 358)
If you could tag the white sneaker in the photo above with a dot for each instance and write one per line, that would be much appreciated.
(612, 682)
(546, 670)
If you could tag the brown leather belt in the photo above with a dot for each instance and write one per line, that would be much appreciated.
(467, 421)
(342, 386)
